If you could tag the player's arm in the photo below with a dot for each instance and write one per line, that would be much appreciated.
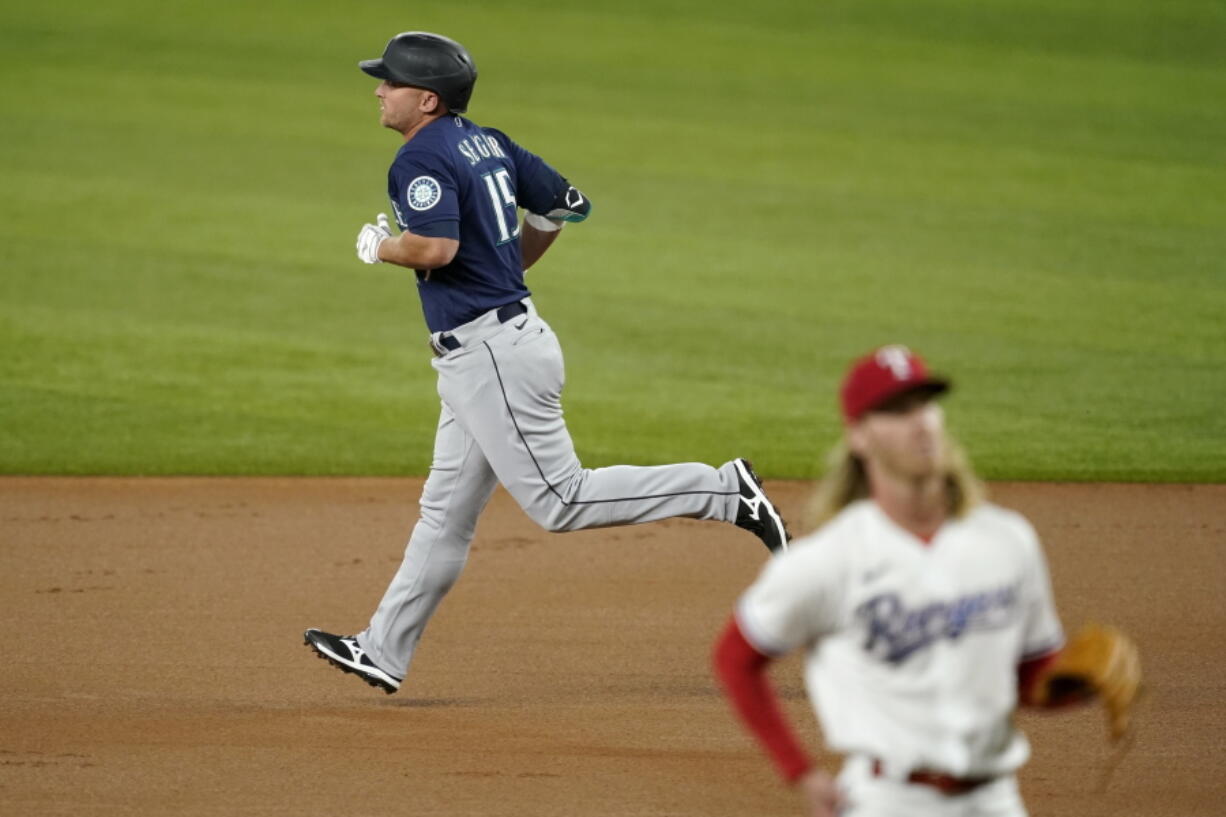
(418, 252)
(796, 601)
(548, 199)
(742, 670)
(424, 196)
(536, 235)
(540, 230)
(415, 250)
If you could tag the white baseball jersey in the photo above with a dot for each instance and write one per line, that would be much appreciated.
(912, 648)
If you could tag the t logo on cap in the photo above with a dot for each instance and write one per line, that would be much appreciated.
(897, 359)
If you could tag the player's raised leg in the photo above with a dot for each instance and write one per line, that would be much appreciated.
(507, 390)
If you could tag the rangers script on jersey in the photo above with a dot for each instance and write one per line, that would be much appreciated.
(912, 646)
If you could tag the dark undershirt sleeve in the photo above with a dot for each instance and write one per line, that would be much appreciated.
(439, 229)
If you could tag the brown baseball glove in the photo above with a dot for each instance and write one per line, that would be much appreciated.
(1098, 661)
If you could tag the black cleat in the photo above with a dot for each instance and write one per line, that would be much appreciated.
(757, 514)
(343, 652)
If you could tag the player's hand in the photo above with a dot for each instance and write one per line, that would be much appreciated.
(371, 236)
(821, 794)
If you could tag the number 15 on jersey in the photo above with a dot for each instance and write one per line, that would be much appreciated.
(502, 198)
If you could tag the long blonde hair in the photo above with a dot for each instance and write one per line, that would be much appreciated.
(846, 481)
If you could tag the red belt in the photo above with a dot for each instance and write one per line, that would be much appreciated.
(946, 784)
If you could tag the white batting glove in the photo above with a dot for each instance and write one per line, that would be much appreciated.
(371, 236)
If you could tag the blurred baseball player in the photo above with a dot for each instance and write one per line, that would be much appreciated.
(926, 615)
(456, 189)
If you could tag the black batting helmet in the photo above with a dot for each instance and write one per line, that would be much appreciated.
(429, 61)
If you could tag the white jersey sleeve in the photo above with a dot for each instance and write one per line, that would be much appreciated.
(797, 598)
(1042, 632)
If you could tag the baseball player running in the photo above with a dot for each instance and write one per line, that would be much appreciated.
(926, 615)
(456, 188)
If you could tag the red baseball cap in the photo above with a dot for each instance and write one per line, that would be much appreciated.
(883, 375)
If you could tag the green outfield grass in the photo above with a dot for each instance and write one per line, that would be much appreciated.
(1032, 193)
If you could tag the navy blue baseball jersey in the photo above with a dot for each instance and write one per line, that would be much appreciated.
(456, 179)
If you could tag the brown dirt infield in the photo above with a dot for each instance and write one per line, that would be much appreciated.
(154, 665)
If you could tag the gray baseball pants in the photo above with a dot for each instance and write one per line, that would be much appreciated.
(501, 421)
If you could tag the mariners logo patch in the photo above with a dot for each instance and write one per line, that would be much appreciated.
(424, 192)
